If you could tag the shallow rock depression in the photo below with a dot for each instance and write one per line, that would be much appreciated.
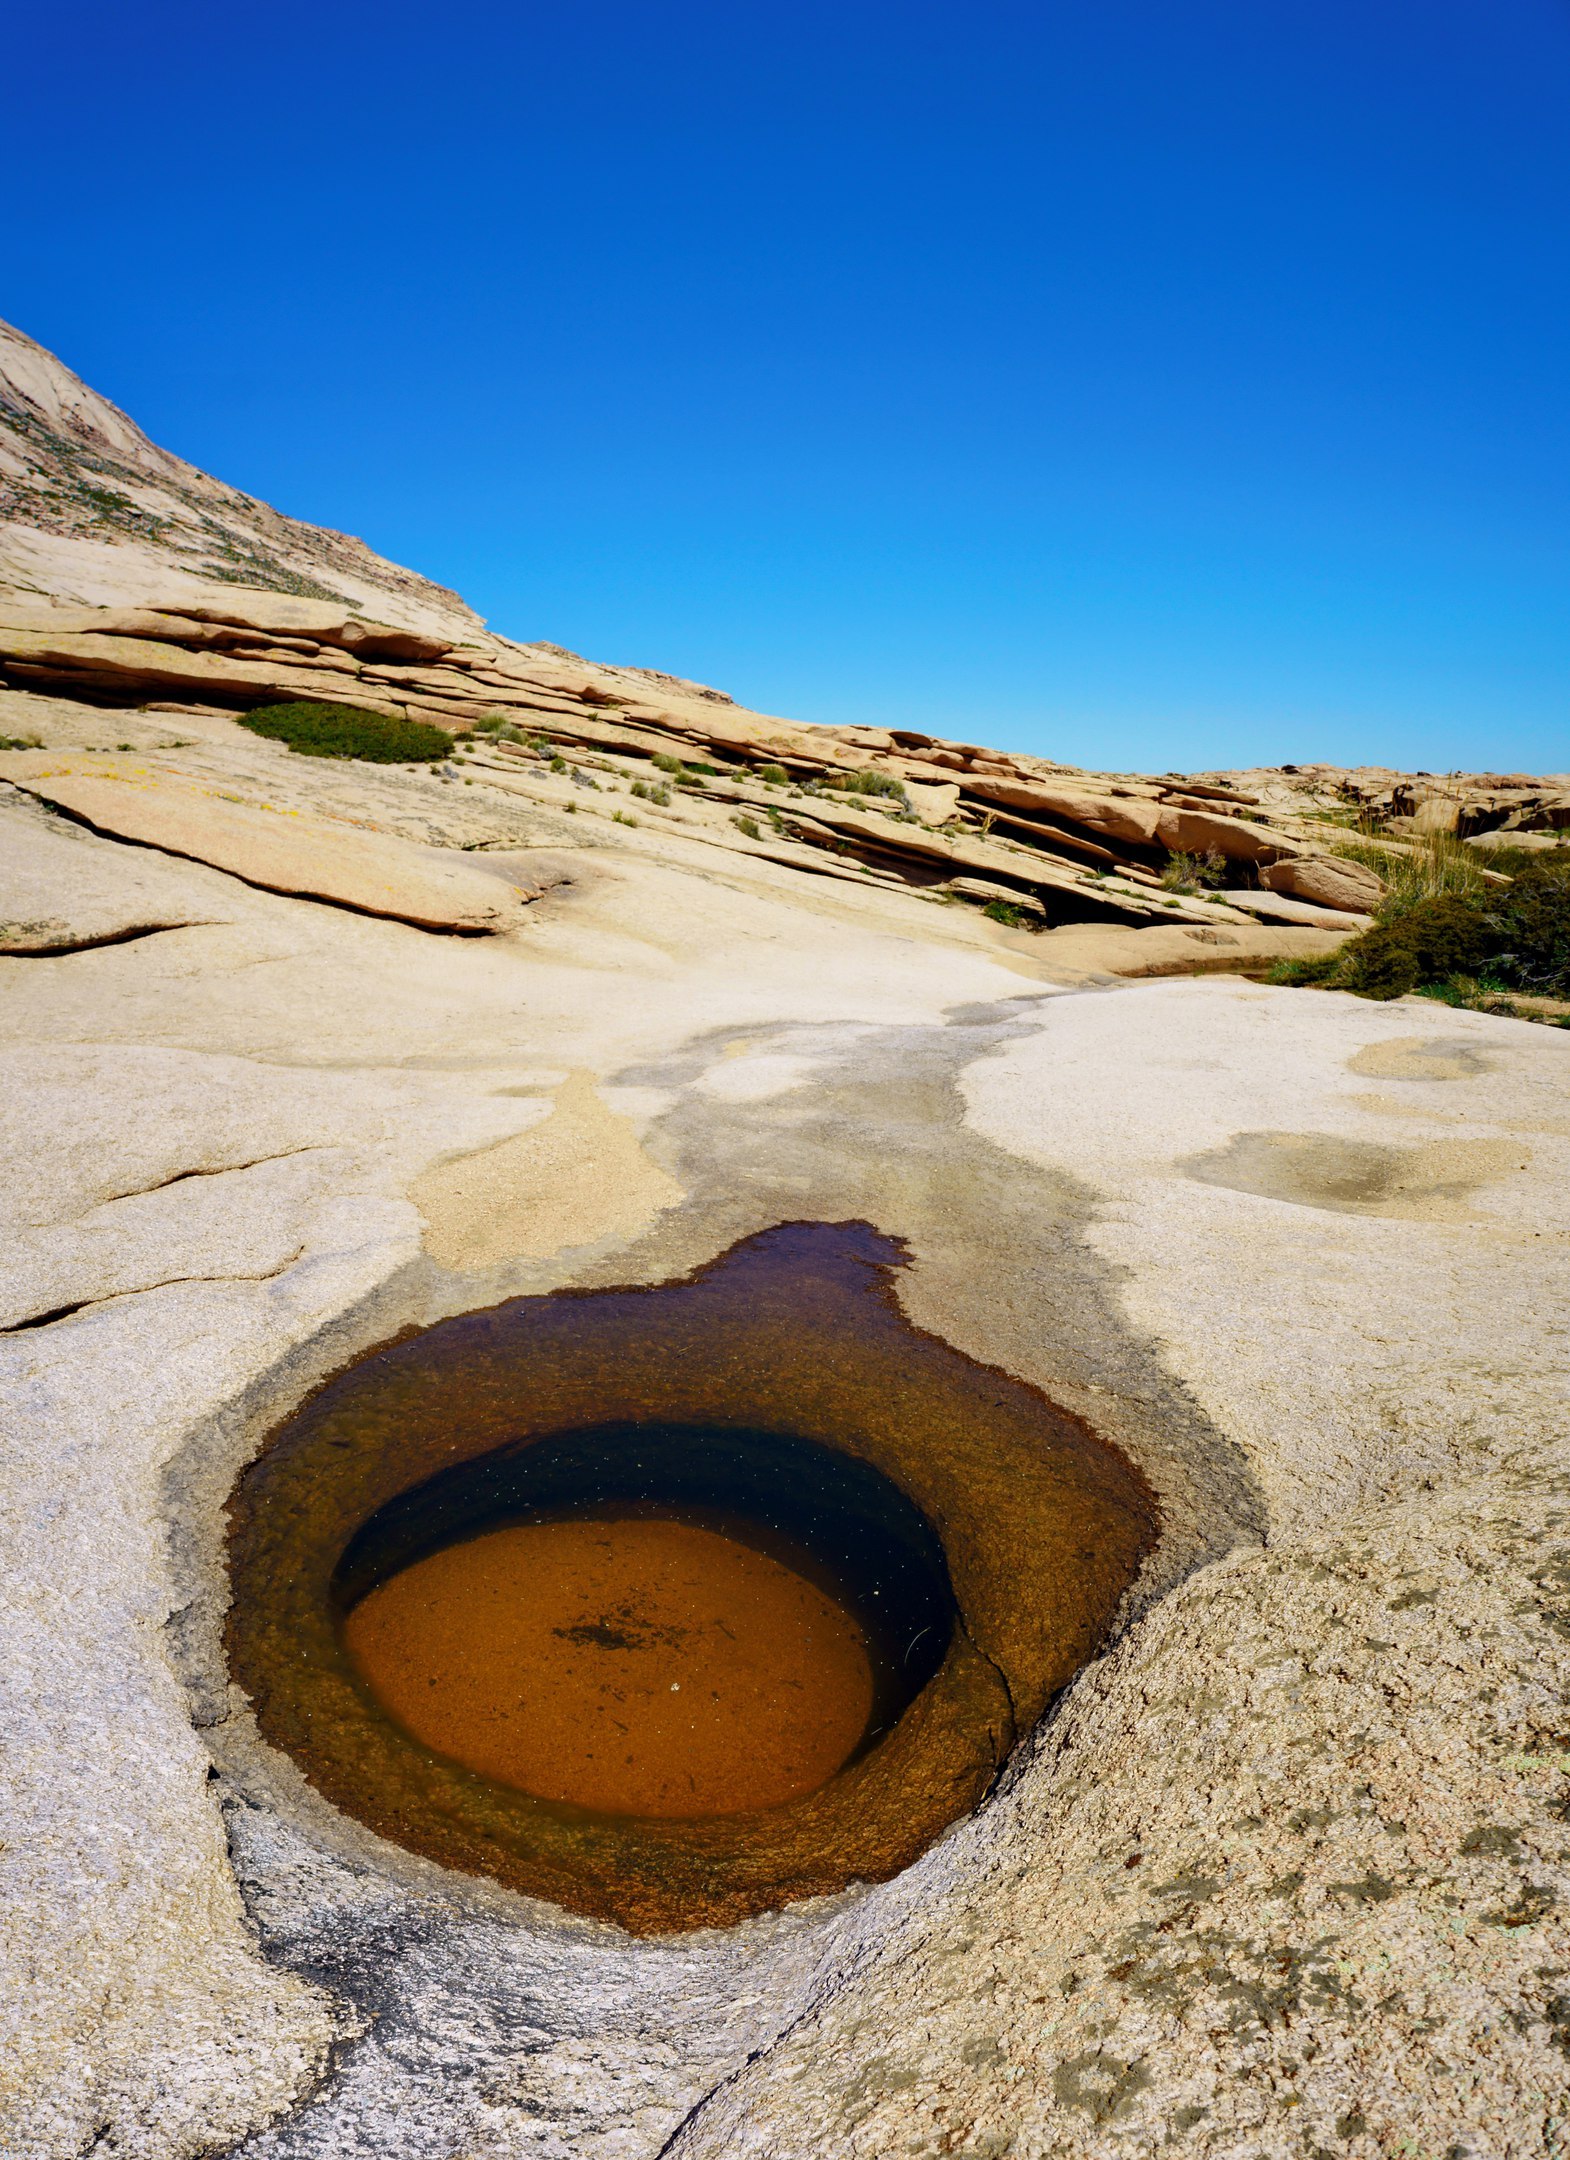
(673, 1605)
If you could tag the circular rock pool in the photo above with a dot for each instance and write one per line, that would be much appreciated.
(671, 1605)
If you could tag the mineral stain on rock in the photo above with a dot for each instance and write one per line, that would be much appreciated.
(877, 1558)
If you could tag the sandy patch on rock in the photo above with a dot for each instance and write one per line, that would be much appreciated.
(1418, 1057)
(1430, 1183)
(578, 1177)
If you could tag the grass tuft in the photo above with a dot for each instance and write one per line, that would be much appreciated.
(1438, 868)
(866, 783)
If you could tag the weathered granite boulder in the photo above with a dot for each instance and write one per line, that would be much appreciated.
(1328, 881)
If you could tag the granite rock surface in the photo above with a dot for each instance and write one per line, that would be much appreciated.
(1284, 1871)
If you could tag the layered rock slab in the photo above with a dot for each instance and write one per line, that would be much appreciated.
(372, 873)
(63, 891)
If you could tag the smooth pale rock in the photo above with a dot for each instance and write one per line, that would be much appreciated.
(1138, 820)
(62, 892)
(307, 858)
(959, 852)
(162, 625)
(933, 804)
(1131, 818)
(1080, 952)
(272, 611)
(1438, 811)
(383, 642)
(1507, 838)
(1328, 881)
(1277, 907)
(1202, 832)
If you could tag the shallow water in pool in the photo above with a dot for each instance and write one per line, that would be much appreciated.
(636, 1666)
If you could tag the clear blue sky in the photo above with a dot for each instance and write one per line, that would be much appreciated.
(1148, 383)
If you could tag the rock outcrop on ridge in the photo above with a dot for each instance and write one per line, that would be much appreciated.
(93, 511)
(301, 1054)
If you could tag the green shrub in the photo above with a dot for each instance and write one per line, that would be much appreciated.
(749, 826)
(1530, 923)
(1001, 911)
(1304, 974)
(1426, 942)
(654, 792)
(1195, 873)
(348, 731)
(1460, 948)
(773, 775)
(866, 783)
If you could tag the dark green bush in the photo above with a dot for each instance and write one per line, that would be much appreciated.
(1428, 942)
(349, 731)
(1490, 940)
(1530, 924)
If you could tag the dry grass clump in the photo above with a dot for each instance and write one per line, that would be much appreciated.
(1439, 867)
(1195, 873)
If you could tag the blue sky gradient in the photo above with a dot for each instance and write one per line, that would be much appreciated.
(1157, 384)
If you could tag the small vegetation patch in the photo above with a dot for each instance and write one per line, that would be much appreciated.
(1441, 868)
(500, 729)
(1195, 873)
(349, 731)
(1464, 949)
(1017, 918)
(21, 742)
(866, 783)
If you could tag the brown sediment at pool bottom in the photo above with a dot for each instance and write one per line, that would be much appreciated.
(637, 1665)
(972, 1535)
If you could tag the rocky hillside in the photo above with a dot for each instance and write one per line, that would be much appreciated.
(130, 579)
(92, 511)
